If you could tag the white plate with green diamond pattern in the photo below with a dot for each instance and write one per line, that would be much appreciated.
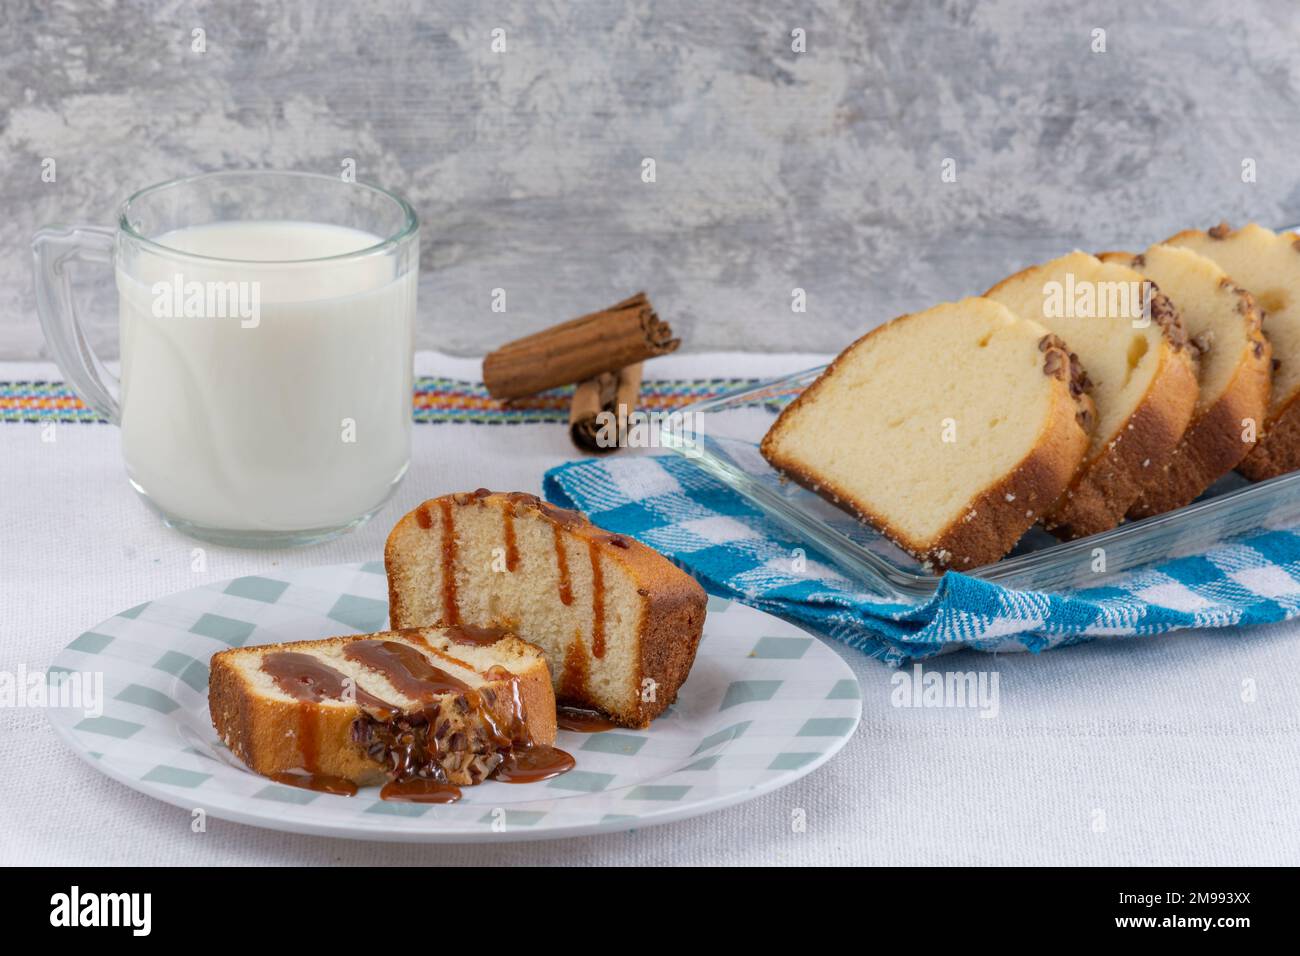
(765, 704)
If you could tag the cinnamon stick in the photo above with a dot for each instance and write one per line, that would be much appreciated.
(615, 395)
(578, 350)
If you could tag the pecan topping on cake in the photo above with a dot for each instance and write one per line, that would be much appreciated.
(1165, 315)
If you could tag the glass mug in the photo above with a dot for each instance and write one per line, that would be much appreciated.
(267, 333)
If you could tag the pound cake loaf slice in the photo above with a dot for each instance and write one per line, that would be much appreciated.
(618, 622)
(1267, 264)
(1223, 326)
(446, 705)
(950, 430)
(1132, 343)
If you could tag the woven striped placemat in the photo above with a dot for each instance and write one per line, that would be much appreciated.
(435, 400)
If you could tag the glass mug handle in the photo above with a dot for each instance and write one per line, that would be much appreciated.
(54, 249)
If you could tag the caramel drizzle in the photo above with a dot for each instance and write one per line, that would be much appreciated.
(582, 720)
(526, 761)
(515, 735)
(562, 562)
(320, 782)
(450, 606)
(597, 601)
(310, 681)
(531, 764)
(419, 638)
(512, 546)
(472, 636)
(573, 676)
(415, 676)
(420, 790)
(406, 669)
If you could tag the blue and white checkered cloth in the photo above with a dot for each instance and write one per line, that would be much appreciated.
(738, 553)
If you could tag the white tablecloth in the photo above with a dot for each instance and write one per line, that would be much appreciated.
(1116, 752)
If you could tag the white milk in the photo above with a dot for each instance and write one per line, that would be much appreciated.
(233, 425)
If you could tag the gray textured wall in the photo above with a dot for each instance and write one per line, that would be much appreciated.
(774, 169)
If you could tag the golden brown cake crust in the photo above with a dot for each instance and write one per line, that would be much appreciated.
(1002, 512)
(1105, 487)
(673, 603)
(1277, 450)
(670, 637)
(1212, 445)
(263, 731)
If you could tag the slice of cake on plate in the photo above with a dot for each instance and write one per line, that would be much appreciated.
(1130, 339)
(1223, 326)
(618, 622)
(446, 706)
(1267, 264)
(950, 430)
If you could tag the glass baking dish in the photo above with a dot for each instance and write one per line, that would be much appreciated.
(721, 435)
